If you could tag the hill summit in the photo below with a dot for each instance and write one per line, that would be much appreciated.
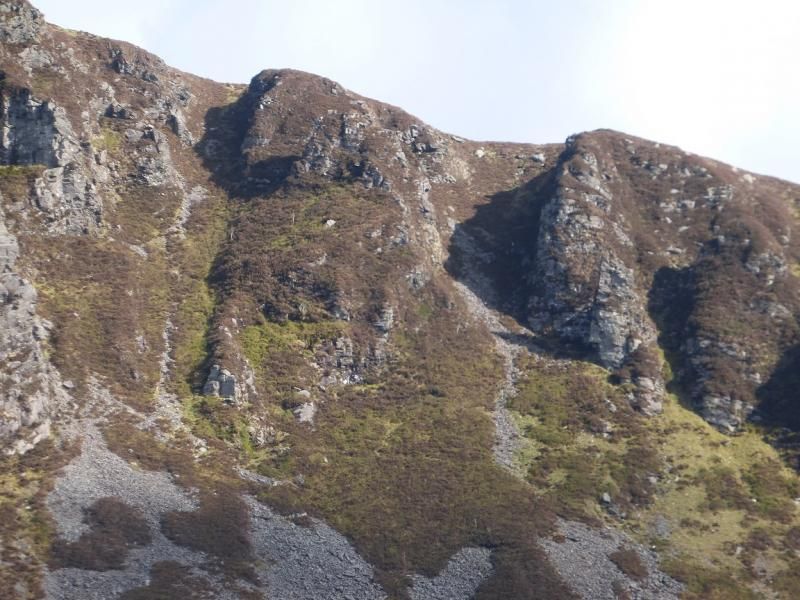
(279, 340)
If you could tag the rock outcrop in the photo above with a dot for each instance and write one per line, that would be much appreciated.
(20, 23)
(31, 390)
(220, 383)
(38, 132)
(641, 246)
(584, 280)
(309, 346)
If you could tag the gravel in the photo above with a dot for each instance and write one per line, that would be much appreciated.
(459, 580)
(99, 473)
(582, 560)
(473, 286)
(308, 563)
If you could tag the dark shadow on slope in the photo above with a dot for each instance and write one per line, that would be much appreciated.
(670, 303)
(779, 407)
(494, 252)
(248, 166)
(220, 148)
(779, 397)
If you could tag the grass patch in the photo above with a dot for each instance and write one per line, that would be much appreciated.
(720, 493)
(26, 526)
(582, 437)
(109, 139)
(261, 342)
(728, 500)
(705, 583)
(403, 466)
(16, 181)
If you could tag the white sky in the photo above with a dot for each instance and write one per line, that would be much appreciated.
(719, 78)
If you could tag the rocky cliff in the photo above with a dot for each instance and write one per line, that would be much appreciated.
(281, 340)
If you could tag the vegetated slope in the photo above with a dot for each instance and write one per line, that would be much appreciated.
(292, 342)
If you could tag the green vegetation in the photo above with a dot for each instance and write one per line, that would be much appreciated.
(22, 171)
(401, 462)
(16, 181)
(402, 465)
(260, 342)
(26, 527)
(109, 139)
(195, 254)
(233, 92)
(109, 305)
(586, 438)
(718, 493)
(704, 582)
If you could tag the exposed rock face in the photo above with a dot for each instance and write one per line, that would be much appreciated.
(39, 133)
(31, 390)
(19, 22)
(220, 383)
(585, 289)
(621, 261)
(35, 132)
(399, 324)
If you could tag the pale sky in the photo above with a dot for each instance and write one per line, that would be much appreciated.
(719, 78)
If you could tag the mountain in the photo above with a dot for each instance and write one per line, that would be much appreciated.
(279, 340)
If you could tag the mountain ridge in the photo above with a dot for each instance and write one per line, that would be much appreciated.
(249, 328)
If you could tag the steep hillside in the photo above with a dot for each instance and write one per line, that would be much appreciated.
(278, 340)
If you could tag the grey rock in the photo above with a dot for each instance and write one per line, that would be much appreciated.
(222, 383)
(660, 527)
(35, 57)
(69, 200)
(305, 412)
(155, 166)
(340, 362)
(586, 293)
(116, 110)
(478, 293)
(31, 391)
(459, 580)
(308, 563)
(177, 122)
(582, 559)
(722, 409)
(20, 23)
(385, 322)
(99, 473)
(724, 412)
(35, 132)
